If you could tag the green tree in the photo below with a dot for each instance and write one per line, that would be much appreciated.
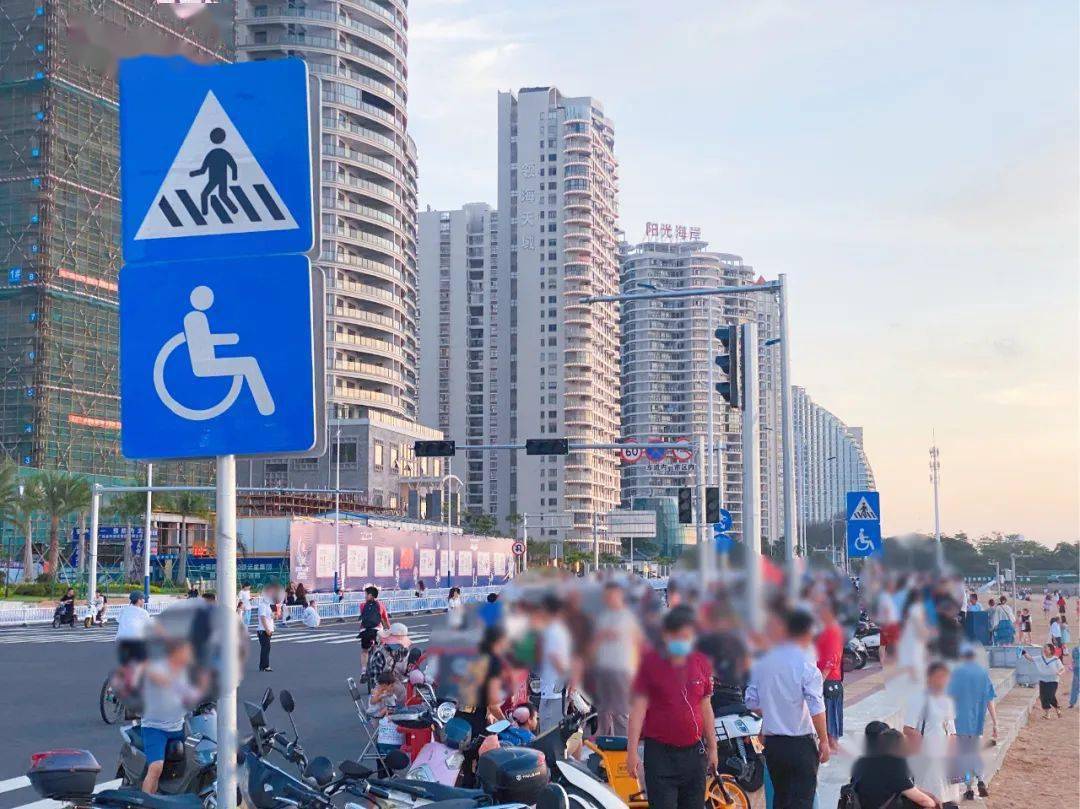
(128, 507)
(187, 504)
(482, 524)
(515, 521)
(62, 494)
(9, 495)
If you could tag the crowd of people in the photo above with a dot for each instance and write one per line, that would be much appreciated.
(659, 667)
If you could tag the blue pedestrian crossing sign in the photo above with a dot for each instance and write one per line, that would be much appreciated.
(863, 524)
(725, 520)
(217, 358)
(215, 160)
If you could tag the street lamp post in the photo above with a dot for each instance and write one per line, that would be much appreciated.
(447, 479)
(935, 472)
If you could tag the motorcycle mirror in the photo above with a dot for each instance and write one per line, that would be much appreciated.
(287, 702)
(498, 727)
(268, 698)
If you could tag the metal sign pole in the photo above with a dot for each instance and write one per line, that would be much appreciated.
(146, 533)
(95, 509)
(525, 539)
(230, 636)
(788, 443)
(751, 488)
(705, 545)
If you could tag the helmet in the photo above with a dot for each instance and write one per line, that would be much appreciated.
(399, 630)
(416, 677)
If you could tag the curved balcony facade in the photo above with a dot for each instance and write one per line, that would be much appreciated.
(358, 49)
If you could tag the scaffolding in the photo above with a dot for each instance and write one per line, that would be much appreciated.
(60, 222)
(296, 503)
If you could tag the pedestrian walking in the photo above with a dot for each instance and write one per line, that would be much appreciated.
(267, 602)
(1066, 635)
(671, 710)
(455, 609)
(973, 696)
(616, 645)
(1002, 621)
(786, 687)
(929, 722)
(1055, 635)
(1048, 603)
(1024, 638)
(556, 661)
(1074, 691)
(1048, 668)
(243, 602)
(1061, 604)
(830, 655)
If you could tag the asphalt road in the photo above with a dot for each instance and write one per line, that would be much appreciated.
(52, 681)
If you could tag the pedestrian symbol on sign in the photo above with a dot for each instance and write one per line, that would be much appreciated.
(863, 511)
(214, 186)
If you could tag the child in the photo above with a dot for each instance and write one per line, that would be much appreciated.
(522, 728)
(386, 695)
(1025, 627)
(1066, 636)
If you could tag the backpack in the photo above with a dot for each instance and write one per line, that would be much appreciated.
(370, 615)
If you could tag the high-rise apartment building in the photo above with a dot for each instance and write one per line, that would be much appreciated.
(668, 361)
(60, 218)
(358, 48)
(830, 461)
(558, 358)
(459, 327)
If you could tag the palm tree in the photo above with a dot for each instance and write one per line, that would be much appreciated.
(187, 504)
(61, 495)
(128, 506)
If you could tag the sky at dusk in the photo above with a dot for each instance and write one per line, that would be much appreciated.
(911, 166)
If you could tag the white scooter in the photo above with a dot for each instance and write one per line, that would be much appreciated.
(739, 749)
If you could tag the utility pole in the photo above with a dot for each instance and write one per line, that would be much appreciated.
(146, 535)
(935, 470)
(706, 548)
(337, 510)
(751, 489)
(595, 545)
(525, 539)
(788, 443)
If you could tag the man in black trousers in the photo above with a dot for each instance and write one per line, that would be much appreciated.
(267, 603)
(786, 689)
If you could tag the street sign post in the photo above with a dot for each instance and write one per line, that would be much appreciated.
(863, 524)
(220, 324)
(217, 358)
(224, 168)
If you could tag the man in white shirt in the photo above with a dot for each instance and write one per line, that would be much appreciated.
(615, 660)
(786, 689)
(267, 602)
(131, 628)
(555, 661)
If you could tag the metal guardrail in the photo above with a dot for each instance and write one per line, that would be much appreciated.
(397, 602)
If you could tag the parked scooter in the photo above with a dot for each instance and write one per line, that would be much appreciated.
(190, 763)
(69, 776)
(870, 634)
(854, 656)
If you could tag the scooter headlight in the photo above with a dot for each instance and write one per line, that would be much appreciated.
(445, 712)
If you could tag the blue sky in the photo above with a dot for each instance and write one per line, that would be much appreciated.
(911, 166)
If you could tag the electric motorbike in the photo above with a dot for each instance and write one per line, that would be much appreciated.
(190, 763)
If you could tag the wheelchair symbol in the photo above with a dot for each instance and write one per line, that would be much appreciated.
(201, 343)
(862, 542)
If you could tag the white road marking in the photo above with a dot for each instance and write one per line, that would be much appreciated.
(49, 803)
(14, 783)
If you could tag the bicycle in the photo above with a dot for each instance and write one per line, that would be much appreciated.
(110, 704)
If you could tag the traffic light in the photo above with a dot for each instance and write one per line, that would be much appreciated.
(686, 505)
(712, 505)
(547, 446)
(728, 360)
(434, 449)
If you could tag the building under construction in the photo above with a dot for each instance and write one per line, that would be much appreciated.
(60, 218)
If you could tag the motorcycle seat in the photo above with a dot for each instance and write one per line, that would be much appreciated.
(174, 748)
(612, 743)
(430, 790)
(136, 797)
(727, 710)
(460, 803)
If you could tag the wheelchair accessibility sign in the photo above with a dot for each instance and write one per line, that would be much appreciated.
(215, 160)
(217, 357)
(863, 523)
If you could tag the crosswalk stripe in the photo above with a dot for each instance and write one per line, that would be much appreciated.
(49, 803)
(14, 783)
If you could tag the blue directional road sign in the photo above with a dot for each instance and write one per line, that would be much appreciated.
(217, 357)
(215, 160)
(723, 540)
(863, 524)
(725, 520)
